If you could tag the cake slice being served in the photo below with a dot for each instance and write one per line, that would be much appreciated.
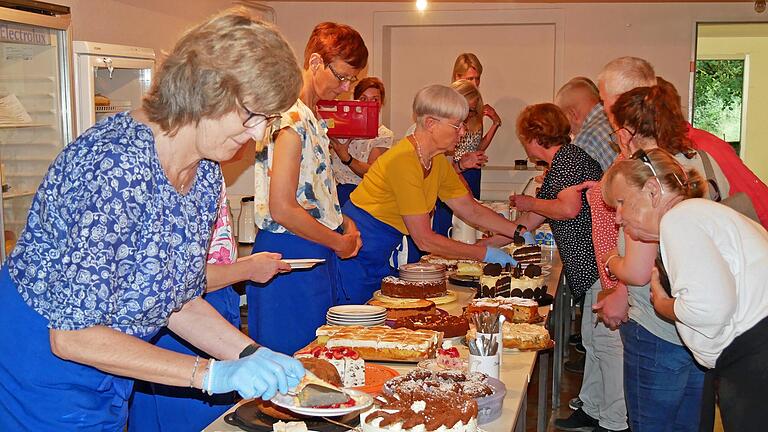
(347, 361)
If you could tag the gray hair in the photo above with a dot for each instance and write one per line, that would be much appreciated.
(582, 86)
(626, 73)
(439, 101)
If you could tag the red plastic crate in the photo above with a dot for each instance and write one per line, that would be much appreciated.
(350, 119)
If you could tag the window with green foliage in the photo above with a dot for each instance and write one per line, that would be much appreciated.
(718, 96)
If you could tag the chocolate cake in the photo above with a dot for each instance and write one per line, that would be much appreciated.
(450, 325)
(392, 286)
(421, 411)
(530, 254)
(472, 384)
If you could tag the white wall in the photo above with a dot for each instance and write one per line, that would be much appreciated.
(594, 33)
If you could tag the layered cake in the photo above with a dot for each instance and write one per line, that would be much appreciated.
(498, 281)
(472, 384)
(469, 268)
(421, 411)
(514, 309)
(347, 361)
(381, 342)
(392, 286)
(450, 325)
(451, 264)
(398, 309)
(522, 336)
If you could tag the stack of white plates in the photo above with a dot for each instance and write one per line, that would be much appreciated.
(360, 315)
(422, 271)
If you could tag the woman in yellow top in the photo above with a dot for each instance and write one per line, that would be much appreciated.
(399, 192)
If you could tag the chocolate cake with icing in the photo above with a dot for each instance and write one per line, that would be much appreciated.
(472, 384)
(392, 286)
(527, 254)
(450, 325)
(421, 411)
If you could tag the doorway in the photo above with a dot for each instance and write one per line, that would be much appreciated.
(730, 83)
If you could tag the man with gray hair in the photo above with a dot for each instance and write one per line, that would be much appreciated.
(622, 75)
(580, 101)
(602, 388)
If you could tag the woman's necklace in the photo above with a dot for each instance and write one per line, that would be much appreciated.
(421, 157)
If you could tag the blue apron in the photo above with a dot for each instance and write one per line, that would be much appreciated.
(443, 218)
(284, 313)
(53, 394)
(344, 190)
(361, 276)
(158, 407)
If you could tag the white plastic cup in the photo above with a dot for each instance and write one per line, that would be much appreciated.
(488, 365)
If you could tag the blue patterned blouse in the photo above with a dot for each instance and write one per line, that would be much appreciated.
(108, 240)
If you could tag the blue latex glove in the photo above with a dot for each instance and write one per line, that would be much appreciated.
(294, 370)
(529, 238)
(496, 255)
(258, 375)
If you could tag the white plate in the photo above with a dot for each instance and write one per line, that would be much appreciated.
(362, 401)
(357, 310)
(304, 263)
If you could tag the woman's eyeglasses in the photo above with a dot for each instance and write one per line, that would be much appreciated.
(342, 79)
(458, 127)
(255, 119)
(614, 137)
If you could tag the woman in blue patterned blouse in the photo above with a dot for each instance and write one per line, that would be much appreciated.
(117, 236)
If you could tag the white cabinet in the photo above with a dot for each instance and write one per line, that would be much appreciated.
(119, 74)
(35, 105)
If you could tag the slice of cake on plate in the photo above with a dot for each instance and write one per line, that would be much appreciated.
(347, 361)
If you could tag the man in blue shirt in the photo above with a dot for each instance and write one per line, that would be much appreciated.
(580, 101)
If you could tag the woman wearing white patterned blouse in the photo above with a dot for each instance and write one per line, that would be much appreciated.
(296, 206)
(352, 159)
(117, 236)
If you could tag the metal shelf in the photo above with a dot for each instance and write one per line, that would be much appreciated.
(23, 125)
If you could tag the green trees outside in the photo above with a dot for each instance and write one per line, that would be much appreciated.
(718, 96)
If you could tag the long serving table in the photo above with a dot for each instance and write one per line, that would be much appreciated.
(517, 367)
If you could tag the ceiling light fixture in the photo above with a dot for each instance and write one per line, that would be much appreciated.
(422, 4)
(760, 6)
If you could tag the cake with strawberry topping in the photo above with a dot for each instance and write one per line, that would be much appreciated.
(347, 361)
(449, 358)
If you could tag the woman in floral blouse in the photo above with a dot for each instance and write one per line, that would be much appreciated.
(296, 205)
(116, 241)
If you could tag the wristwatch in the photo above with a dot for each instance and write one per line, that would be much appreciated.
(250, 349)
(348, 161)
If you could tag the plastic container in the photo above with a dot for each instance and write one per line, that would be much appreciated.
(489, 407)
(246, 225)
(544, 237)
(350, 119)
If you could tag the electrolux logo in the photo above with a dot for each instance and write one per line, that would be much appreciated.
(19, 33)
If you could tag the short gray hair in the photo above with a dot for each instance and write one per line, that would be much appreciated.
(440, 101)
(581, 86)
(626, 73)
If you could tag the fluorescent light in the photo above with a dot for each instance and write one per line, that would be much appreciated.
(421, 5)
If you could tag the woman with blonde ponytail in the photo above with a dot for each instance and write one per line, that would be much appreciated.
(716, 260)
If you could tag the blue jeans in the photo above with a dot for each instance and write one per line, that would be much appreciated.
(662, 382)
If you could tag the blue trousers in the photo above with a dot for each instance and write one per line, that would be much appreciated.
(361, 275)
(284, 313)
(662, 382)
(157, 407)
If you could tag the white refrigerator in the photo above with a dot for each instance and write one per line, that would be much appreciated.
(109, 79)
(35, 104)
